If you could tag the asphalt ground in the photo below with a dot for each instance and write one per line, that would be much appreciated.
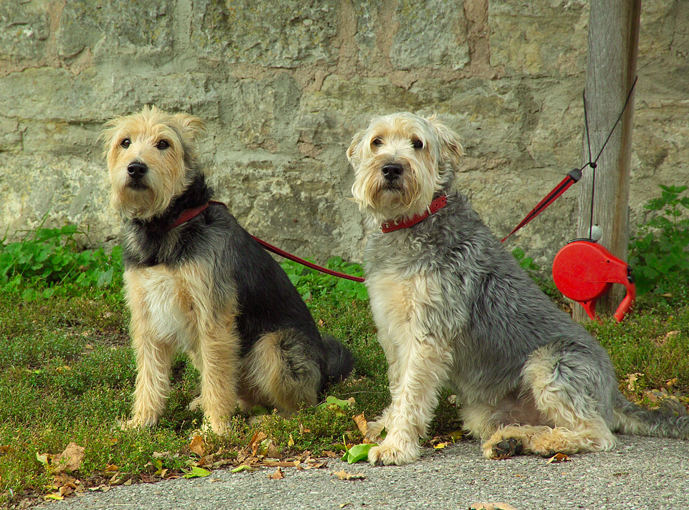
(641, 473)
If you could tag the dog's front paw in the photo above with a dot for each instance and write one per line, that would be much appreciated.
(136, 421)
(503, 449)
(390, 452)
(195, 404)
(218, 426)
(128, 424)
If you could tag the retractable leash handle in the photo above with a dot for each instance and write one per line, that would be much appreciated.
(583, 270)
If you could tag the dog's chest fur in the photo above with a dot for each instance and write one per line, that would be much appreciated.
(411, 298)
(173, 301)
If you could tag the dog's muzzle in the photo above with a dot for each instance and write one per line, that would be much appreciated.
(136, 170)
(392, 171)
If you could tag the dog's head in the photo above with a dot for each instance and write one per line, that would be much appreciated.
(151, 159)
(400, 161)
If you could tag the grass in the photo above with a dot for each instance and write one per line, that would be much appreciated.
(67, 374)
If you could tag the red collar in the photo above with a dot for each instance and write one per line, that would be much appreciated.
(436, 205)
(189, 214)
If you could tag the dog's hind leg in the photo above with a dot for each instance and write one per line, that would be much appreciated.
(280, 371)
(572, 392)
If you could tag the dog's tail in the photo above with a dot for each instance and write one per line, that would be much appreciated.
(339, 361)
(672, 421)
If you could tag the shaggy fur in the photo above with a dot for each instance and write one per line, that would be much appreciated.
(454, 308)
(205, 287)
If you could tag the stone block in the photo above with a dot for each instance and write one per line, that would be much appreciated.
(111, 28)
(539, 38)
(430, 34)
(10, 135)
(288, 34)
(24, 31)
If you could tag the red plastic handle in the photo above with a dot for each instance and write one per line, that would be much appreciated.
(584, 270)
(627, 302)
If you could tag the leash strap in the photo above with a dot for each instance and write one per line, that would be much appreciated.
(572, 177)
(306, 263)
(188, 214)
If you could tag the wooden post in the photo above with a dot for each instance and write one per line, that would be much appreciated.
(612, 53)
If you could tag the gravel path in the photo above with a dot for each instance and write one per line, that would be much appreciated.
(639, 473)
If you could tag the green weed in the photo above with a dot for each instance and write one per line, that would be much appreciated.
(49, 261)
(314, 284)
(659, 252)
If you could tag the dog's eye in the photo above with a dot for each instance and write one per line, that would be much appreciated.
(377, 141)
(416, 143)
(126, 142)
(162, 145)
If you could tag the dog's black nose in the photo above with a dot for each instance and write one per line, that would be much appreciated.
(137, 169)
(392, 171)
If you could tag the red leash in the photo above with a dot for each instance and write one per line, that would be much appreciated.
(188, 214)
(572, 177)
(306, 263)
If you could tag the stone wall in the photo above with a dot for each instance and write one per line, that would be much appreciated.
(283, 86)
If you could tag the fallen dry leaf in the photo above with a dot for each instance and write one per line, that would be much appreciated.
(277, 475)
(440, 446)
(361, 423)
(198, 446)
(67, 461)
(280, 463)
(206, 460)
(70, 459)
(631, 380)
(67, 484)
(256, 441)
(491, 506)
(343, 475)
(558, 457)
(662, 340)
(316, 465)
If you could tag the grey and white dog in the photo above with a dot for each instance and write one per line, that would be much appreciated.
(454, 308)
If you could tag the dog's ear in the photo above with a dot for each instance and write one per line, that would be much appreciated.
(110, 129)
(354, 148)
(450, 146)
(190, 125)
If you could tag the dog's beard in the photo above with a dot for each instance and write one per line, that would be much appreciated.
(386, 200)
(135, 202)
(143, 199)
